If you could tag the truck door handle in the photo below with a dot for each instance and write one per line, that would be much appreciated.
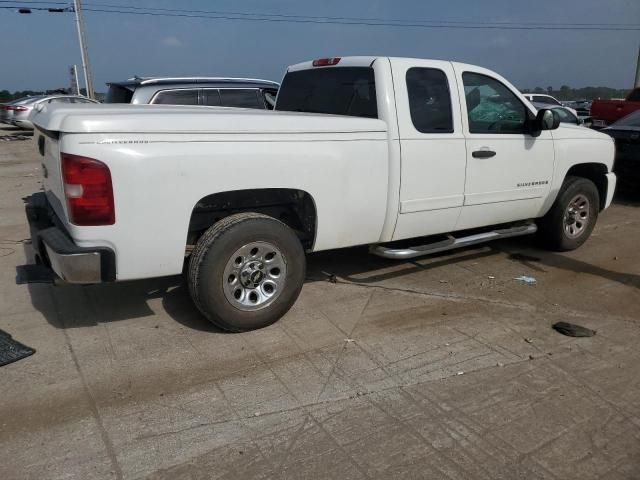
(483, 154)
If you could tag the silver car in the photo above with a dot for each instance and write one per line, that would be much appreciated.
(6, 109)
(19, 113)
(209, 91)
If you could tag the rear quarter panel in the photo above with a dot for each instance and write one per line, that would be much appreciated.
(158, 179)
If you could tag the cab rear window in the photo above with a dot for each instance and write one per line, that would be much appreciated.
(335, 90)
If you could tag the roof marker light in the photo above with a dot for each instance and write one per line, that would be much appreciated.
(326, 62)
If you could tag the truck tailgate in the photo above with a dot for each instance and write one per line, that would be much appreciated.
(49, 149)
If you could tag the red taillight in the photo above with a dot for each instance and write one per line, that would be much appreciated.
(87, 186)
(17, 109)
(326, 62)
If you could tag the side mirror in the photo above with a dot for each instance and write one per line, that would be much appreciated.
(546, 119)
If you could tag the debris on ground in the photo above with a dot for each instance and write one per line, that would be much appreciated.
(491, 277)
(528, 340)
(349, 340)
(572, 330)
(526, 280)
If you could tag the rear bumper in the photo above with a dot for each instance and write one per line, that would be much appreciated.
(55, 249)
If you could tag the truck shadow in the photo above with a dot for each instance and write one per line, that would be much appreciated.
(73, 306)
(77, 306)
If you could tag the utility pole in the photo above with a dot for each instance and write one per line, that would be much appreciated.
(637, 83)
(83, 50)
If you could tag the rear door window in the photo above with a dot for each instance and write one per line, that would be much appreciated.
(241, 98)
(176, 97)
(333, 90)
(211, 97)
(429, 100)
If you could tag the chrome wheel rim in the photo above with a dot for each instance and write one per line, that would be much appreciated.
(254, 276)
(576, 216)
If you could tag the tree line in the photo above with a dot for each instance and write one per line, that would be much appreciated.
(7, 96)
(586, 93)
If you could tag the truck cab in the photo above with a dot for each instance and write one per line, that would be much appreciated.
(464, 147)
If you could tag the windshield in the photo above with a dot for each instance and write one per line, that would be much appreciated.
(631, 120)
(338, 91)
(118, 94)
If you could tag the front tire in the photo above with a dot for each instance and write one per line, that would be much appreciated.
(573, 216)
(246, 271)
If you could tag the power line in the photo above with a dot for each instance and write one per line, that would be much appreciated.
(365, 23)
(365, 19)
(279, 18)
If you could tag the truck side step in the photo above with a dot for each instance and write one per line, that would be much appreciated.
(452, 242)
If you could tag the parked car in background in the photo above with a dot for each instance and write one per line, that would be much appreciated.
(626, 133)
(582, 107)
(606, 112)
(546, 100)
(565, 114)
(6, 109)
(361, 151)
(18, 114)
(209, 91)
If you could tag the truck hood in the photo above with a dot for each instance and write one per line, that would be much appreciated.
(568, 131)
(191, 119)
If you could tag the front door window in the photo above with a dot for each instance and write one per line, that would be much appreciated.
(492, 107)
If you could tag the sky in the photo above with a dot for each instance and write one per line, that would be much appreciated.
(38, 48)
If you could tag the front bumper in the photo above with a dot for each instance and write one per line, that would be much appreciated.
(54, 248)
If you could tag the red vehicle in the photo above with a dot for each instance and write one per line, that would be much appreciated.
(605, 112)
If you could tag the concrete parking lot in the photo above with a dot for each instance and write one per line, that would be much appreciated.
(445, 367)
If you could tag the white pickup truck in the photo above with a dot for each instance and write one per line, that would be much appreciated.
(359, 151)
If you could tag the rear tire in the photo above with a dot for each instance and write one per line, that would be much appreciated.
(571, 219)
(246, 271)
